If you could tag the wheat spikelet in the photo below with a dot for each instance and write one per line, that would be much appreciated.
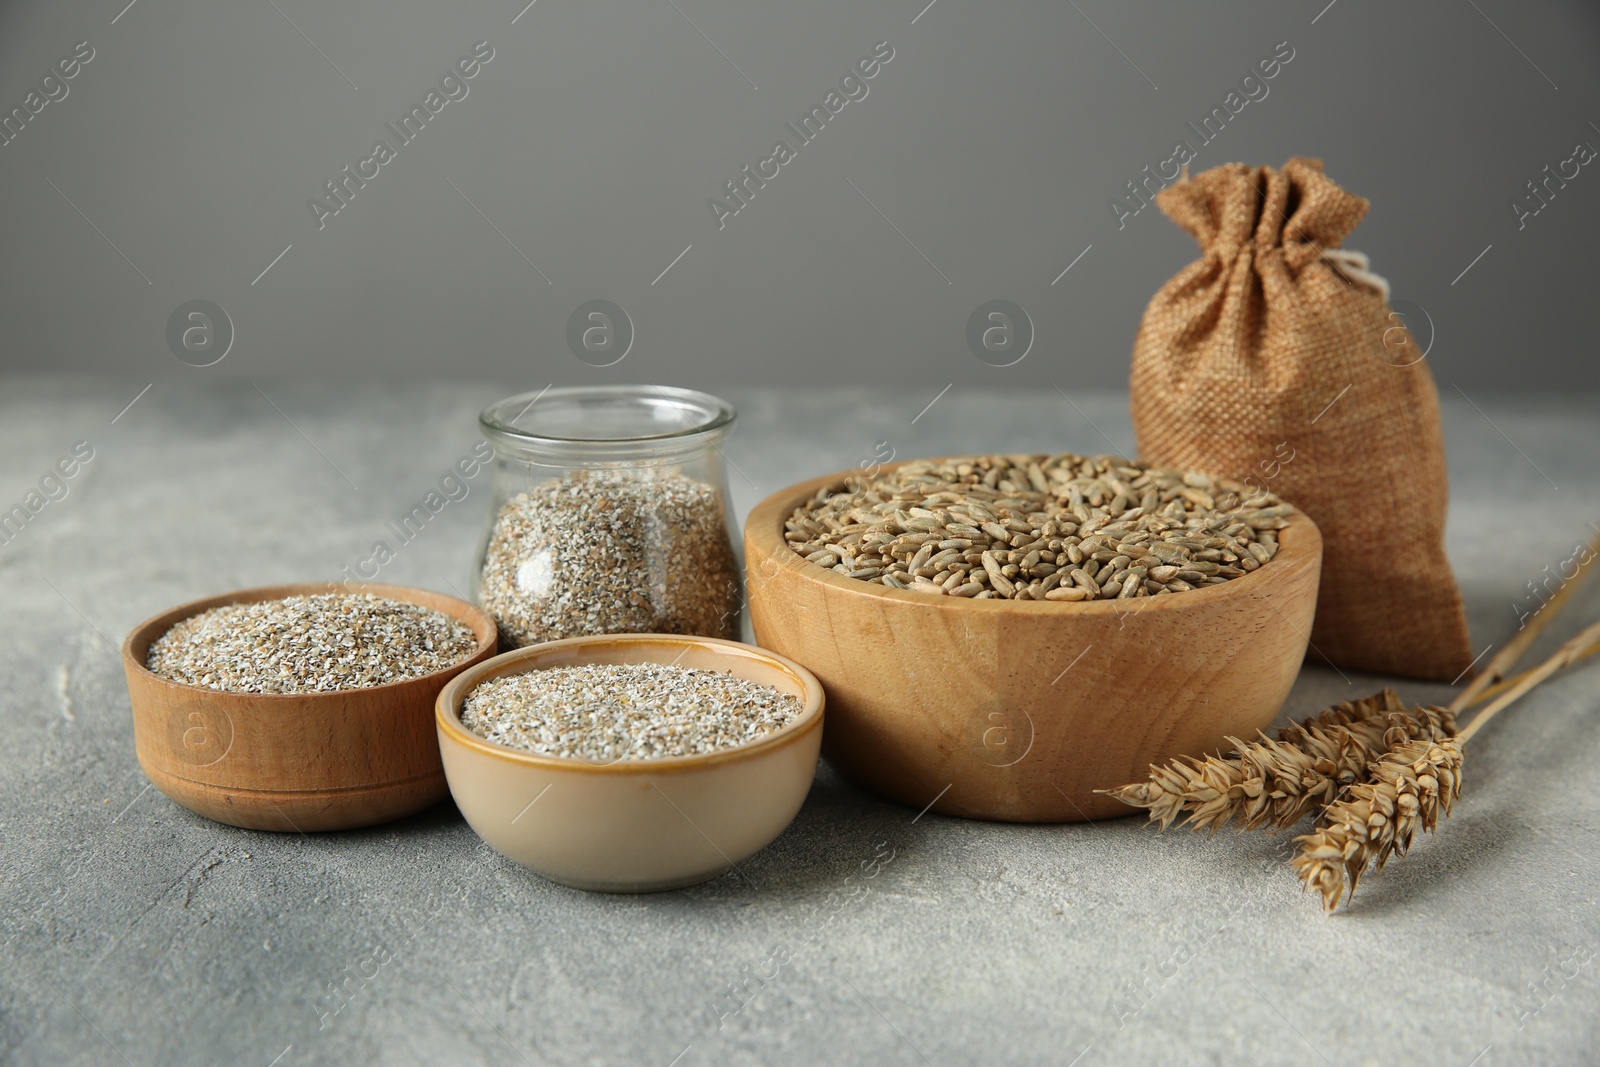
(1308, 765)
(1269, 784)
(1382, 769)
(1163, 794)
(1409, 787)
(1407, 790)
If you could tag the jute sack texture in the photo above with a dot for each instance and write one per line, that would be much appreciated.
(1262, 362)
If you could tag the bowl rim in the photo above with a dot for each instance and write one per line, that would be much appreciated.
(148, 631)
(1299, 542)
(452, 695)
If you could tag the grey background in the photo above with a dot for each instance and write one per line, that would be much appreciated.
(993, 141)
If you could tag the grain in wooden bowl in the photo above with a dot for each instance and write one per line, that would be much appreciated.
(1016, 708)
(300, 707)
(1060, 527)
(320, 643)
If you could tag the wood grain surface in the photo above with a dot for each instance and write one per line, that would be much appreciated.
(1020, 710)
(302, 762)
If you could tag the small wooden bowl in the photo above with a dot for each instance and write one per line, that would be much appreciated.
(1019, 710)
(295, 762)
(634, 826)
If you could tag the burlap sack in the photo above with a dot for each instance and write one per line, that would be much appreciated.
(1262, 361)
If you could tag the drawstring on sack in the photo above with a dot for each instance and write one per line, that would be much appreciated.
(1351, 265)
(1355, 267)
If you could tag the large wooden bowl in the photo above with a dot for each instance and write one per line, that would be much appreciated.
(302, 762)
(1020, 710)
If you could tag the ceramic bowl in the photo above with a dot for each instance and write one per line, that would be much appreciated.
(633, 826)
(298, 762)
(1021, 710)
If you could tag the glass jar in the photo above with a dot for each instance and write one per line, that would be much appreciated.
(609, 514)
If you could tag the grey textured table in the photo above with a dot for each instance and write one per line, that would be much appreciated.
(136, 932)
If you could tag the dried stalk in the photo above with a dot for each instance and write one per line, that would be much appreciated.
(1585, 644)
(1506, 684)
(1495, 670)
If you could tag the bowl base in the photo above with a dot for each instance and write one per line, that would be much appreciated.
(291, 812)
(970, 800)
(662, 886)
